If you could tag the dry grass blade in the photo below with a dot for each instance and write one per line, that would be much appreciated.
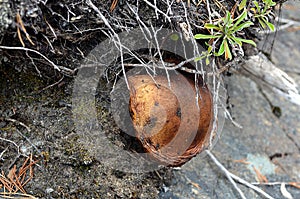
(14, 181)
(6, 184)
(21, 24)
(295, 184)
(13, 178)
(113, 5)
(16, 195)
(260, 177)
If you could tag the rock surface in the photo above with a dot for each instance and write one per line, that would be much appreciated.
(266, 142)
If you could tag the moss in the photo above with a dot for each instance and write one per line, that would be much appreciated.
(81, 157)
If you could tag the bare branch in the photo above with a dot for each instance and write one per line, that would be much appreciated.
(56, 67)
(158, 10)
(227, 173)
(90, 3)
(231, 177)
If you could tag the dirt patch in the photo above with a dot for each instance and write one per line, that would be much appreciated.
(66, 169)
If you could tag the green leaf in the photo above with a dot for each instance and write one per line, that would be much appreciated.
(269, 2)
(257, 6)
(261, 22)
(227, 18)
(240, 18)
(202, 36)
(205, 55)
(221, 49)
(265, 8)
(211, 26)
(266, 23)
(236, 40)
(254, 11)
(243, 25)
(207, 60)
(198, 58)
(248, 41)
(209, 49)
(271, 26)
(242, 4)
(228, 54)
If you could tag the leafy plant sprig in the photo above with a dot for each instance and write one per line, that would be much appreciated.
(262, 12)
(226, 31)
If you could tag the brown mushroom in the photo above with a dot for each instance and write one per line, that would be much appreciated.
(168, 122)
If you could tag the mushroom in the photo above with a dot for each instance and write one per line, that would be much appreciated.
(172, 116)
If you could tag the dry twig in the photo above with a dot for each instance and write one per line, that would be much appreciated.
(232, 178)
(294, 184)
(56, 67)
